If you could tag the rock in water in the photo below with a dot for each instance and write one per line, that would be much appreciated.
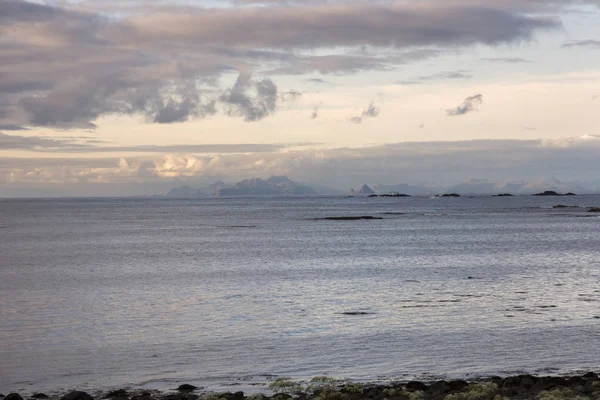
(187, 388)
(116, 393)
(13, 396)
(39, 396)
(76, 395)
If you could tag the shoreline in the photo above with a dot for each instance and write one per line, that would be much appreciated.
(580, 387)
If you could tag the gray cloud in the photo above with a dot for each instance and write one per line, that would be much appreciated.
(508, 60)
(72, 145)
(319, 81)
(17, 142)
(240, 102)
(447, 75)
(315, 111)
(290, 95)
(371, 111)
(143, 60)
(588, 44)
(470, 104)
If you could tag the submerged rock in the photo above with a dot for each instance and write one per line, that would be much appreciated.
(39, 396)
(186, 388)
(77, 395)
(357, 313)
(13, 396)
(364, 217)
(594, 209)
(503, 195)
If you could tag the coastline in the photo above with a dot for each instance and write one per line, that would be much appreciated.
(579, 387)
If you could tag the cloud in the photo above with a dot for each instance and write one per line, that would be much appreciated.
(447, 75)
(291, 95)
(315, 111)
(164, 61)
(371, 111)
(470, 104)
(588, 44)
(253, 100)
(508, 60)
(318, 81)
(436, 163)
(14, 142)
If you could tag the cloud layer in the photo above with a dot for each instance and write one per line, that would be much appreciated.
(66, 67)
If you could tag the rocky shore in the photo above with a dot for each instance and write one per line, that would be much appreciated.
(582, 387)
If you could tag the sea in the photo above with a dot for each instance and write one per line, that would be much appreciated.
(230, 293)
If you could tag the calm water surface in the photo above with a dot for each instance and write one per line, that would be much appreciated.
(104, 293)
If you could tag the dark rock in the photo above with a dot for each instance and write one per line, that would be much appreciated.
(116, 393)
(13, 396)
(76, 395)
(416, 385)
(281, 396)
(173, 397)
(594, 209)
(357, 313)
(570, 194)
(395, 195)
(438, 388)
(504, 195)
(575, 381)
(233, 396)
(457, 385)
(590, 375)
(143, 396)
(186, 388)
(364, 217)
(523, 381)
(560, 206)
(450, 195)
(39, 396)
(549, 382)
(547, 193)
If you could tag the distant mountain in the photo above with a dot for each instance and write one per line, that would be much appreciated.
(484, 186)
(185, 192)
(275, 185)
(403, 188)
(364, 191)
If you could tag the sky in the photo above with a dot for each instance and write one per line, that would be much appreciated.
(130, 97)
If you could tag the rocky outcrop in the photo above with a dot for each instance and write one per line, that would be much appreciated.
(76, 395)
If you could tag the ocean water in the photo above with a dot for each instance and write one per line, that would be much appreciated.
(228, 293)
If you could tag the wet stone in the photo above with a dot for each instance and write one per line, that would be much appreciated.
(416, 385)
(13, 396)
(186, 388)
(116, 393)
(77, 395)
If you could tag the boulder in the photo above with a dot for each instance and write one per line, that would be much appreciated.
(594, 209)
(187, 388)
(591, 376)
(233, 396)
(116, 393)
(13, 396)
(416, 385)
(458, 385)
(76, 395)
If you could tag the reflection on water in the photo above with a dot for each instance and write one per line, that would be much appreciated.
(105, 293)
